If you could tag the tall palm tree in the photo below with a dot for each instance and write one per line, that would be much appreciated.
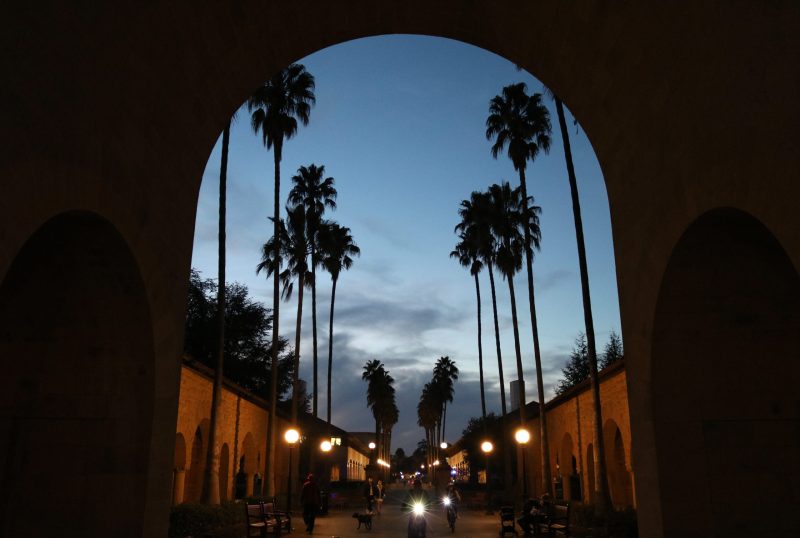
(380, 391)
(445, 374)
(476, 217)
(337, 250)
(315, 194)
(522, 124)
(602, 493)
(295, 250)
(512, 223)
(428, 412)
(466, 252)
(475, 222)
(276, 106)
(210, 493)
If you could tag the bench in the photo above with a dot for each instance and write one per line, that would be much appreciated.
(557, 524)
(262, 520)
(507, 520)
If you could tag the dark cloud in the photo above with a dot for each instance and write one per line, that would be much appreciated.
(554, 279)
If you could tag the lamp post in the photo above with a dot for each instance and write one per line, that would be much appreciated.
(292, 436)
(487, 448)
(522, 436)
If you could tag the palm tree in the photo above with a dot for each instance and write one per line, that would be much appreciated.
(445, 374)
(314, 193)
(294, 248)
(337, 250)
(522, 123)
(380, 391)
(466, 252)
(210, 493)
(601, 480)
(476, 217)
(428, 413)
(511, 228)
(276, 106)
(475, 222)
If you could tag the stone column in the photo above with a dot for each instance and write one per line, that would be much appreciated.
(178, 482)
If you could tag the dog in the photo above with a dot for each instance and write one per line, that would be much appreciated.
(366, 519)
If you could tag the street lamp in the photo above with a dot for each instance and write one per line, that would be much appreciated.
(522, 436)
(292, 436)
(444, 445)
(325, 446)
(487, 448)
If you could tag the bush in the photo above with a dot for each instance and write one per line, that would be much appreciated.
(200, 520)
(615, 524)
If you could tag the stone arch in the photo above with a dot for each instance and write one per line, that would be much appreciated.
(568, 465)
(194, 479)
(620, 484)
(725, 371)
(224, 472)
(179, 469)
(76, 392)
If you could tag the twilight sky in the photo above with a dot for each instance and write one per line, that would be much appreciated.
(399, 124)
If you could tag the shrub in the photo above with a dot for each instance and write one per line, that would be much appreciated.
(199, 520)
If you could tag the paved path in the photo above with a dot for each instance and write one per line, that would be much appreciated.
(393, 522)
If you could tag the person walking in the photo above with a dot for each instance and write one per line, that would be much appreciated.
(380, 492)
(310, 499)
(369, 494)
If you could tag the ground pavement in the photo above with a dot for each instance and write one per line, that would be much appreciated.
(394, 522)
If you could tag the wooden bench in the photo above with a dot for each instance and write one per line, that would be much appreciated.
(507, 520)
(262, 520)
(557, 524)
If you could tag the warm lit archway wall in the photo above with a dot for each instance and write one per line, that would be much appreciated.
(114, 110)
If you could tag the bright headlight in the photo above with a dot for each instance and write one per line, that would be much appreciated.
(419, 509)
(446, 501)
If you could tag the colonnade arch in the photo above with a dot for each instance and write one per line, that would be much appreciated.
(77, 386)
(725, 370)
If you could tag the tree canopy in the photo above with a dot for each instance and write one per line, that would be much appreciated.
(248, 328)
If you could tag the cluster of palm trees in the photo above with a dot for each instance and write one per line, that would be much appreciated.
(499, 229)
(300, 243)
(381, 400)
(432, 406)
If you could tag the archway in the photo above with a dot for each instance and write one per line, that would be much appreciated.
(619, 477)
(569, 469)
(725, 375)
(179, 470)
(224, 473)
(77, 387)
(197, 466)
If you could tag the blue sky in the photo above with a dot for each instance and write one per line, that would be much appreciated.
(399, 124)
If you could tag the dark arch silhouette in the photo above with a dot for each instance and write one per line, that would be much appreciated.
(725, 372)
(77, 383)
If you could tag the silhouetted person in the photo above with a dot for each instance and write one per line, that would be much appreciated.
(369, 494)
(310, 499)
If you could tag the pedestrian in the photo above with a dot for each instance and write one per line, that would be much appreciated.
(369, 494)
(380, 492)
(310, 499)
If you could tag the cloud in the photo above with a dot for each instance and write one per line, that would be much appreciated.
(553, 279)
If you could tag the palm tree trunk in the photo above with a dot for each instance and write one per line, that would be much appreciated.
(210, 494)
(520, 376)
(547, 482)
(480, 348)
(298, 327)
(272, 431)
(443, 437)
(497, 342)
(601, 478)
(330, 347)
(314, 321)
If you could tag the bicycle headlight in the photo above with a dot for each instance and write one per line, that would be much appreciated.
(418, 509)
